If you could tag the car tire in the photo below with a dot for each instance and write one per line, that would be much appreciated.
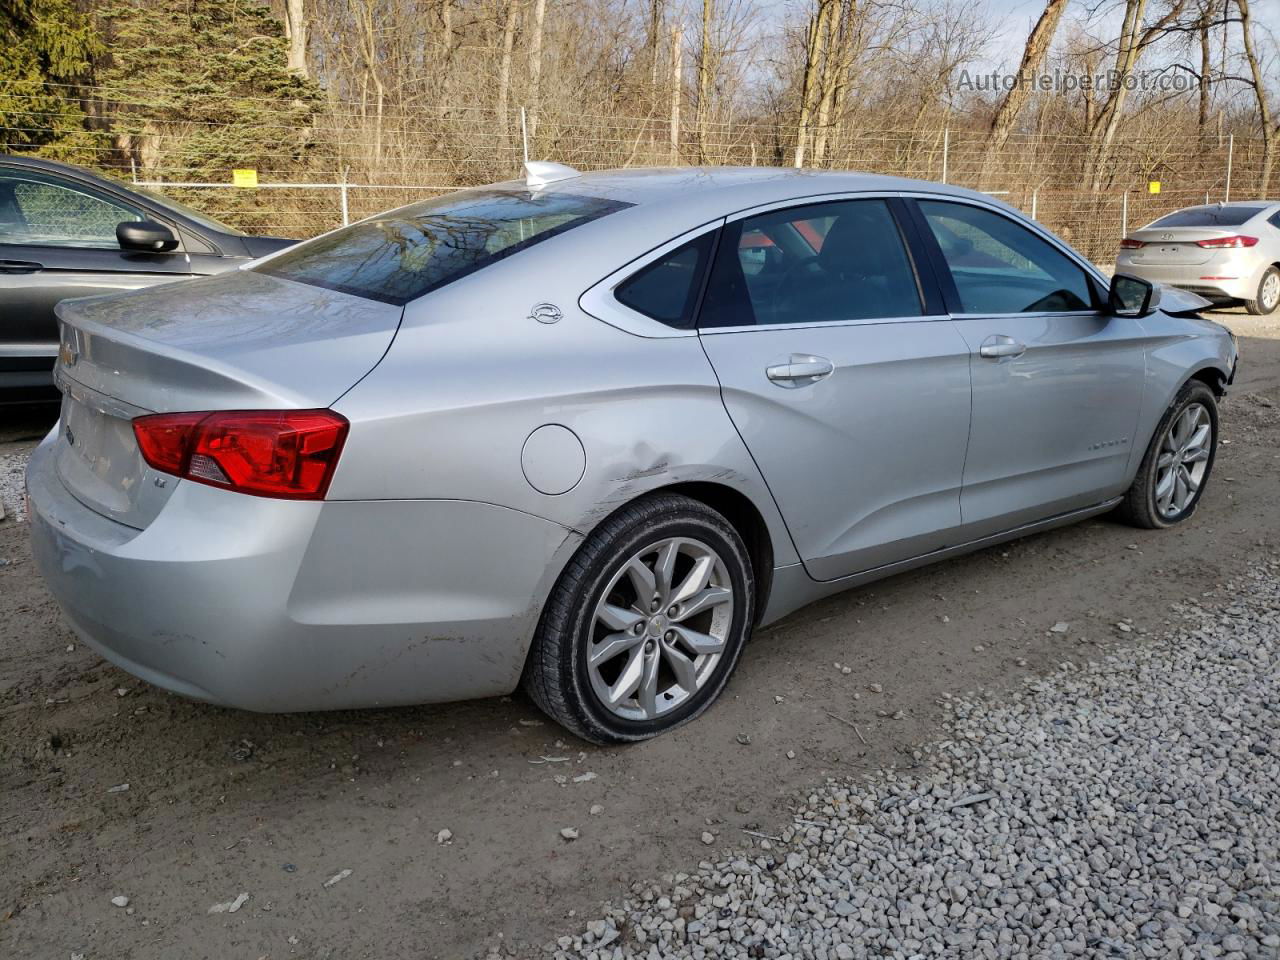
(596, 607)
(1268, 297)
(1148, 503)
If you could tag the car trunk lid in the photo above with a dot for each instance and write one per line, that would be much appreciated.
(1173, 246)
(238, 341)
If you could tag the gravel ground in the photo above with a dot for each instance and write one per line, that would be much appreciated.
(12, 466)
(1121, 808)
(221, 803)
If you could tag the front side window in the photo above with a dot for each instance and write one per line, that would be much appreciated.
(401, 255)
(1001, 267)
(813, 264)
(40, 211)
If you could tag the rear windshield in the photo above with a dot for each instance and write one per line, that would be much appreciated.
(403, 254)
(1209, 217)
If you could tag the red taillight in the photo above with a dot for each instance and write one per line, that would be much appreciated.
(1128, 243)
(268, 453)
(1221, 242)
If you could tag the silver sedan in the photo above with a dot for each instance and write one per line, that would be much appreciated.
(582, 433)
(1226, 252)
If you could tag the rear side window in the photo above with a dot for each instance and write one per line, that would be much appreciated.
(406, 253)
(1209, 217)
(667, 289)
(1001, 267)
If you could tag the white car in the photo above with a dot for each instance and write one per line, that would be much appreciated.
(1225, 252)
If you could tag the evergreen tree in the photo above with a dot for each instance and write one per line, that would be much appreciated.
(47, 50)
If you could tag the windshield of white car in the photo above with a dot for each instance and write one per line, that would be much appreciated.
(399, 256)
(1209, 217)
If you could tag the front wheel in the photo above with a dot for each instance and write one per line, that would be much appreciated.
(1268, 297)
(1177, 464)
(646, 623)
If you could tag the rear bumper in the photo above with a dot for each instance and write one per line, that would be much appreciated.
(281, 606)
(1244, 286)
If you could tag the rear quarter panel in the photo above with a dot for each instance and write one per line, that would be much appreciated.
(471, 375)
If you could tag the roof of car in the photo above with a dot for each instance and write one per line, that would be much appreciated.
(658, 184)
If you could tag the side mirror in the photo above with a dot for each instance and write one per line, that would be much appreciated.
(1132, 296)
(145, 236)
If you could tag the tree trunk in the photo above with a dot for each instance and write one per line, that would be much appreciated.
(677, 57)
(535, 65)
(504, 67)
(812, 57)
(1033, 54)
(295, 28)
(1206, 66)
(830, 69)
(704, 78)
(1132, 41)
(653, 40)
(1269, 130)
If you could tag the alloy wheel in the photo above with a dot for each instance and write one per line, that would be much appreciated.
(660, 628)
(1269, 295)
(1183, 461)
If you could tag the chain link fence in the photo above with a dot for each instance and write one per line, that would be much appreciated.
(353, 162)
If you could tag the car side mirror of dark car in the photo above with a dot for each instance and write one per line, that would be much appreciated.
(1132, 296)
(145, 236)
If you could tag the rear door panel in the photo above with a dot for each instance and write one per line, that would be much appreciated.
(865, 466)
(866, 461)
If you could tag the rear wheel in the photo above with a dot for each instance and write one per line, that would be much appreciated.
(646, 623)
(1177, 464)
(1268, 297)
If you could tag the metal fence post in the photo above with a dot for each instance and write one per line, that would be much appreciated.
(1124, 214)
(946, 148)
(1035, 196)
(1231, 143)
(342, 192)
(524, 133)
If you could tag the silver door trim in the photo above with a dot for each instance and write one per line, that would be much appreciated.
(29, 349)
(822, 324)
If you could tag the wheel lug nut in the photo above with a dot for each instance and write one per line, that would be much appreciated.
(670, 636)
(674, 611)
(638, 628)
(655, 606)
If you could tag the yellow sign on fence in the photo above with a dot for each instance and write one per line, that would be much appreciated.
(1153, 186)
(244, 178)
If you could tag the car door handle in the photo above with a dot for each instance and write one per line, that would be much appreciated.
(800, 370)
(20, 266)
(1001, 346)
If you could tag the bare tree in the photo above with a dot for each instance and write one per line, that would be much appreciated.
(535, 64)
(1033, 57)
(1269, 129)
(504, 66)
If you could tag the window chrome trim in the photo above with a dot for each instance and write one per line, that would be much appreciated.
(822, 324)
(598, 300)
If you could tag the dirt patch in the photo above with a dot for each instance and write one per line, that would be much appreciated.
(221, 803)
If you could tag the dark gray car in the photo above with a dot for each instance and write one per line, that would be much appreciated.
(65, 232)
